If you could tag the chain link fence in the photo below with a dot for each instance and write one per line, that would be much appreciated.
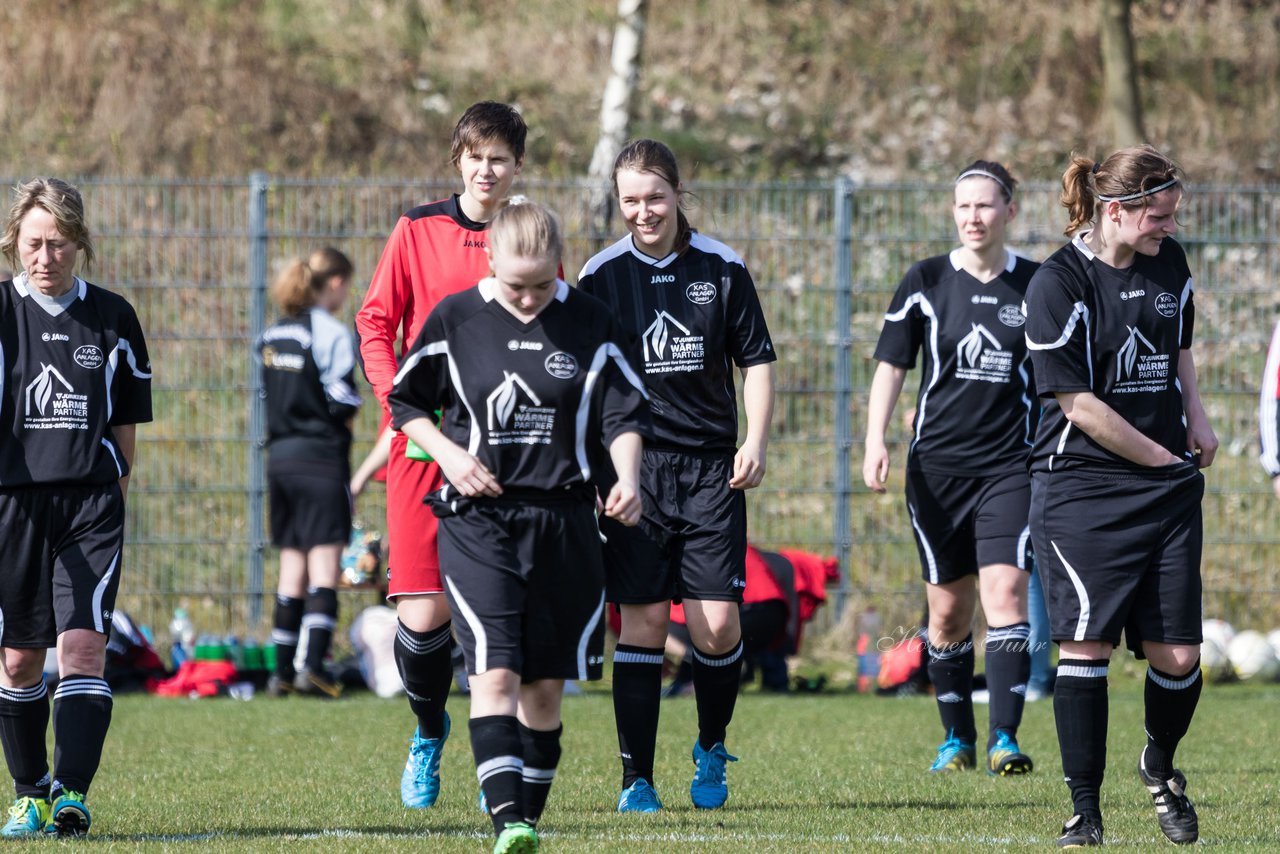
(195, 258)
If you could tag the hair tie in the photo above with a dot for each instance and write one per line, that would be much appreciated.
(1096, 167)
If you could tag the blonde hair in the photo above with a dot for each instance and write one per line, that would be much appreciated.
(294, 290)
(527, 230)
(64, 204)
(1129, 176)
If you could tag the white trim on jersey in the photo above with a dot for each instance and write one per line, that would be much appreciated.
(584, 640)
(1187, 290)
(24, 290)
(1267, 405)
(477, 627)
(1028, 430)
(488, 288)
(437, 348)
(1082, 622)
(115, 459)
(1062, 444)
(605, 351)
(929, 559)
(1010, 261)
(894, 317)
(100, 591)
(1080, 312)
(625, 245)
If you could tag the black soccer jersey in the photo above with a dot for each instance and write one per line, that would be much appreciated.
(1116, 333)
(976, 409)
(64, 382)
(692, 316)
(308, 378)
(531, 401)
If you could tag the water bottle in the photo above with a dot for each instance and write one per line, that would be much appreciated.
(233, 652)
(868, 648)
(182, 636)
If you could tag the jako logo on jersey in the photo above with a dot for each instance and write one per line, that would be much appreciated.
(88, 356)
(1132, 294)
(979, 299)
(1011, 315)
(513, 344)
(662, 280)
(1167, 304)
(53, 336)
(739, 582)
(468, 243)
(657, 336)
(700, 293)
(562, 366)
(502, 401)
(1127, 357)
(595, 659)
(42, 387)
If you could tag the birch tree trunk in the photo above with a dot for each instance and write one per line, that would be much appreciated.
(1120, 73)
(615, 109)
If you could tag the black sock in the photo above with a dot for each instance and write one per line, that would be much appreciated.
(715, 687)
(1170, 703)
(319, 621)
(1008, 668)
(541, 756)
(284, 634)
(1080, 709)
(499, 755)
(951, 671)
(637, 692)
(24, 720)
(426, 668)
(81, 716)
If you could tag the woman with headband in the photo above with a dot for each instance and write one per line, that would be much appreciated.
(966, 482)
(1115, 473)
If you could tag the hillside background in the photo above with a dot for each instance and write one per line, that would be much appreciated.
(753, 89)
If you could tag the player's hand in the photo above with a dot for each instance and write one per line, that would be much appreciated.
(875, 467)
(467, 474)
(1275, 486)
(748, 467)
(623, 504)
(1202, 441)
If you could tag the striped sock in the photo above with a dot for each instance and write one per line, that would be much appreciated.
(1170, 704)
(499, 755)
(951, 671)
(426, 669)
(319, 622)
(1080, 709)
(81, 717)
(715, 686)
(637, 699)
(24, 719)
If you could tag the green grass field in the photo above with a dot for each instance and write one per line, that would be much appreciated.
(833, 772)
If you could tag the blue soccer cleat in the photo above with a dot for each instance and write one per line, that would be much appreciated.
(954, 755)
(420, 782)
(27, 817)
(1005, 759)
(639, 797)
(709, 790)
(70, 815)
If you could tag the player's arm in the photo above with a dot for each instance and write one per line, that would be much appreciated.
(1104, 425)
(380, 317)
(757, 400)
(126, 436)
(377, 458)
(886, 385)
(1201, 440)
(623, 502)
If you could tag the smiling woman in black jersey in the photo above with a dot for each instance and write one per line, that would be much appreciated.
(967, 487)
(76, 381)
(532, 379)
(692, 308)
(1116, 482)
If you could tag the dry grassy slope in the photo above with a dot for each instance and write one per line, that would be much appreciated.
(748, 88)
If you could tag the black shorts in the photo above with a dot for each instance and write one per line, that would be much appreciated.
(1120, 551)
(526, 585)
(60, 552)
(962, 523)
(310, 503)
(691, 542)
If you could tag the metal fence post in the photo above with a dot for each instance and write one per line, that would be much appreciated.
(842, 245)
(257, 410)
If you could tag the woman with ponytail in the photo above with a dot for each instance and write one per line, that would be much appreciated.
(308, 380)
(1115, 472)
(692, 311)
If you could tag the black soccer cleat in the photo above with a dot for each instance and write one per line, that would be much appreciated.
(1081, 831)
(1173, 808)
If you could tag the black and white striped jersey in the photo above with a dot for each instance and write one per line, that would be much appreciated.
(1117, 334)
(976, 409)
(65, 380)
(536, 402)
(692, 316)
(308, 379)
